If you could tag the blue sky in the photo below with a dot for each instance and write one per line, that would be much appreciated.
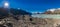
(33, 5)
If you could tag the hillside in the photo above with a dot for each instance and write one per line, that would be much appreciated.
(5, 12)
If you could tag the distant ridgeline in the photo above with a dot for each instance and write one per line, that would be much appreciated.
(52, 11)
(6, 12)
(19, 12)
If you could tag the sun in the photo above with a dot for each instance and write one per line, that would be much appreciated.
(6, 4)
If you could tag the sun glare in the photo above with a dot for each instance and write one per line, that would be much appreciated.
(6, 4)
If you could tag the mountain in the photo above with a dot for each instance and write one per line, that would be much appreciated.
(53, 11)
(4, 12)
(19, 12)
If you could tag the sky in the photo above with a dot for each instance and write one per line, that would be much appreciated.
(33, 5)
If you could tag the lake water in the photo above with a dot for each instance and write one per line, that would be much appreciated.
(46, 16)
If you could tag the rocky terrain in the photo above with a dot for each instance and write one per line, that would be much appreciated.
(28, 21)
